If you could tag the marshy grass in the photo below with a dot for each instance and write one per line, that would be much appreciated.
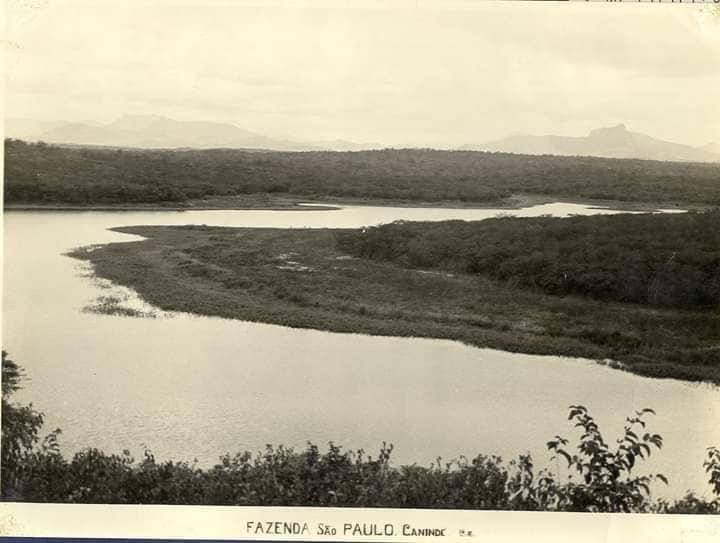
(113, 305)
(234, 273)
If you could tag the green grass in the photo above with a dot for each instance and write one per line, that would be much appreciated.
(299, 278)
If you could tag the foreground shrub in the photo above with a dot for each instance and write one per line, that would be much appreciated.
(602, 478)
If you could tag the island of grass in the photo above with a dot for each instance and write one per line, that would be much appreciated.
(642, 291)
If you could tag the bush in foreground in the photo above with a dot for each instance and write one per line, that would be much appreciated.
(602, 477)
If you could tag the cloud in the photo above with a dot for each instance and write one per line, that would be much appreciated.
(432, 71)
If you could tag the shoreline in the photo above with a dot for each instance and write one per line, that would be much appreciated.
(300, 279)
(517, 201)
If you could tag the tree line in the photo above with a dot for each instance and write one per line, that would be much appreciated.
(42, 173)
(657, 259)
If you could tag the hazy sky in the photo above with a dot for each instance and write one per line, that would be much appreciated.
(416, 73)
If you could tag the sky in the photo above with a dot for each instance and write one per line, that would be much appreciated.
(422, 73)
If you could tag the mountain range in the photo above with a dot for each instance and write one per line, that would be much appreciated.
(156, 132)
(613, 142)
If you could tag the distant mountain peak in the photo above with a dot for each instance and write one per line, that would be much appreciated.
(611, 142)
(157, 131)
(140, 123)
(619, 130)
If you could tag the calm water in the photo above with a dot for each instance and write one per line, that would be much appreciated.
(195, 387)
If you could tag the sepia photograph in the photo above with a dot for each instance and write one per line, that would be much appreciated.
(369, 256)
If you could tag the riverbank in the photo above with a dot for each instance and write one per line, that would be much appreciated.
(336, 477)
(245, 202)
(276, 203)
(299, 278)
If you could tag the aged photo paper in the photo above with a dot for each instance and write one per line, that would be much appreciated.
(361, 270)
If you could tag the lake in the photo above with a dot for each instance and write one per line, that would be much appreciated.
(190, 387)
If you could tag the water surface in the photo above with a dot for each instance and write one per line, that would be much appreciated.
(197, 387)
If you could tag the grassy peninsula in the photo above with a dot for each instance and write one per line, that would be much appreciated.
(482, 292)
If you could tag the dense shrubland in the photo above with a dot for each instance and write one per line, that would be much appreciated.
(661, 259)
(40, 173)
(602, 476)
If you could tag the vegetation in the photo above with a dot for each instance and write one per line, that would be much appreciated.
(662, 259)
(40, 173)
(306, 278)
(20, 426)
(602, 478)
